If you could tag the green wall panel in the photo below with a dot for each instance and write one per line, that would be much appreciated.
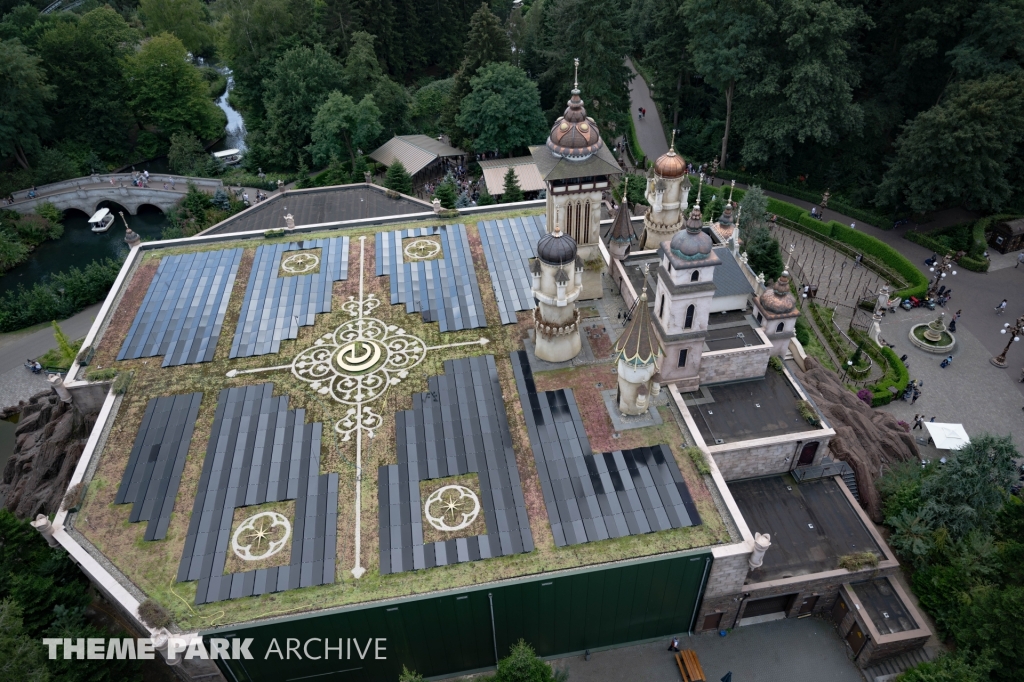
(451, 632)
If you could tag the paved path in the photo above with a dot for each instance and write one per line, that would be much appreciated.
(970, 391)
(16, 382)
(649, 132)
(794, 650)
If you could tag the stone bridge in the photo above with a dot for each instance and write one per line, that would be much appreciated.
(86, 194)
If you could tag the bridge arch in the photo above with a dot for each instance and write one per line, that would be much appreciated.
(114, 207)
(149, 208)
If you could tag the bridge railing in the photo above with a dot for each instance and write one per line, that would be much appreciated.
(156, 181)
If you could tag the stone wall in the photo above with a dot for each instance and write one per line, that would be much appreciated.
(735, 364)
(766, 456)
(728, 571)
(881, 646)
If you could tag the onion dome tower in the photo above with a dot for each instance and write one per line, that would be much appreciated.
(776, 313)
(637, 354)
(576, 166)
(668, 192)
(557, 282)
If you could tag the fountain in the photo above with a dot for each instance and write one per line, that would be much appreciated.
(933, 337)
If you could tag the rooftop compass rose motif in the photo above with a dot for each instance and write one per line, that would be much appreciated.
(261, 536)
(422, 249)
(451, 508)
(354, 365)
(300, 263)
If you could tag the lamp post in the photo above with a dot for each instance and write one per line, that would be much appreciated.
(849, 364)
(940, 270)
(1014, 332)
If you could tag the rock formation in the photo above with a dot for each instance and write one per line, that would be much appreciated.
(50, 438)
(866, 439)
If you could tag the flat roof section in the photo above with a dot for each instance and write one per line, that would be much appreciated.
(749, 409)
(327, 205)
(811, 525)
(727, 335)
(884, 607)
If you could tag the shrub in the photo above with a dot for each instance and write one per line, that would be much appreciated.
(101, 374)
(865, 395)
(154, 615)
(699, 461)
(858, 560)
(122, 382)
(60, 296)
(49, 212)
(808, 412)
(775, 363)
(73, 497)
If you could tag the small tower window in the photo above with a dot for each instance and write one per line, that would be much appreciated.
(682, 357)
(695, 277)
(661, 308)
(689, 317)
(782, 325)
(759, 318)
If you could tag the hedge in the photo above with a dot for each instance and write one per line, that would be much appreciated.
(59, 296)
(835, 203)
(925, 240)
(896, 375)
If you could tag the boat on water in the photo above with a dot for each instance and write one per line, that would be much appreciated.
(229, 157)
(101, 220)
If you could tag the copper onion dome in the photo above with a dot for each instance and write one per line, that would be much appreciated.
(778, 299)
(575, 135)
(670, 164)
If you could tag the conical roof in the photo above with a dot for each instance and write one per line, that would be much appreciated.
(622, 228)
(638, 344)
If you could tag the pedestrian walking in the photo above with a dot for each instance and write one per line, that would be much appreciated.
(952, 326)
(946, 363)
(1001, 308)
(674, 644)
(956, 315)
(1020, 259)
(918, 422)
(853, 226)
(859, 258)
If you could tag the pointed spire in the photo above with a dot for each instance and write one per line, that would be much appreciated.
(638, 344)
(576, 76)
(672, 144)
(622, 228)
(731, 188)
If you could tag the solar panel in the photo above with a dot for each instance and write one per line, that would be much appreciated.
(509, 246)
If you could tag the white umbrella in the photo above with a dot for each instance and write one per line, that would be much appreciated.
(948, 436)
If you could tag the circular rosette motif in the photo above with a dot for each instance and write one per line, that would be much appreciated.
(359, 360)
(422, 249)
(300, 263)
(451, 508)
(261, 536)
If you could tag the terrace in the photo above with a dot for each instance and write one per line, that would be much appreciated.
(295, 400)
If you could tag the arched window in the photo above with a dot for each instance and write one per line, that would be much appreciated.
(682, 358)
(689, 317)
(568, 217)
(695, 277)
(782, 325)
(585, 233)
(661, 309)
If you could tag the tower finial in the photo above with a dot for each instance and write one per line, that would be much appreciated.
(625, 190)
(576, 77)
(700, 186)
(731, 188)
(672, 144)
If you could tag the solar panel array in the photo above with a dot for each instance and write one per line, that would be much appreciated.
(593, 497)
(260, 451)
(458, 427)
(182, 313)
(275, 307)
(150, 481)
(509, 245)
(443, 290)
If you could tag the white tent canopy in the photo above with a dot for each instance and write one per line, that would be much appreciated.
(948, 436)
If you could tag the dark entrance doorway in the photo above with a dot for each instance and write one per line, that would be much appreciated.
(808, 604)
(839, 611)
(712, 621)
(761, 607)
(856, 639)
(808, 453)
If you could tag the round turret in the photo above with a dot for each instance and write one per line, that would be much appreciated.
(691, 243)
(556, 248)
(670, 165)
(778, 300)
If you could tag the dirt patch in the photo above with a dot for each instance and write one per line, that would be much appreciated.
(600, 343)
(115, 333)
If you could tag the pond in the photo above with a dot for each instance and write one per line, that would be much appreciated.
(79, 247)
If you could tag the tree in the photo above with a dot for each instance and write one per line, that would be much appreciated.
(427, 106)
(511, 192)
(84, 60)
(965, 150)
(67, 348)
(393, 101)
(990, 624)
(753, 208)
(663, 36)
(302, 80)
(503, 110)
(445, 192)
(763, 253)
(186, 154)
(637, 185)
(398, 179)
(968, 492)
(485, 198)
(723, 45)
(947, 668)
(522, 665)
(169, 92)
(486, 42)
(22, 656)
(23, 117)
(185, 19)
(362, 70)
(342, 125)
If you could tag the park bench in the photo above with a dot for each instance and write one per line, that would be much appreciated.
(689, 666)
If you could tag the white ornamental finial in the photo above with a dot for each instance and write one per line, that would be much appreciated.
(576, 77)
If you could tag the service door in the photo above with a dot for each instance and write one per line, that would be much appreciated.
(856, 639)
(808, 604)
(839, 611)
(762, 607)
(712, 621)
(808, 453)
